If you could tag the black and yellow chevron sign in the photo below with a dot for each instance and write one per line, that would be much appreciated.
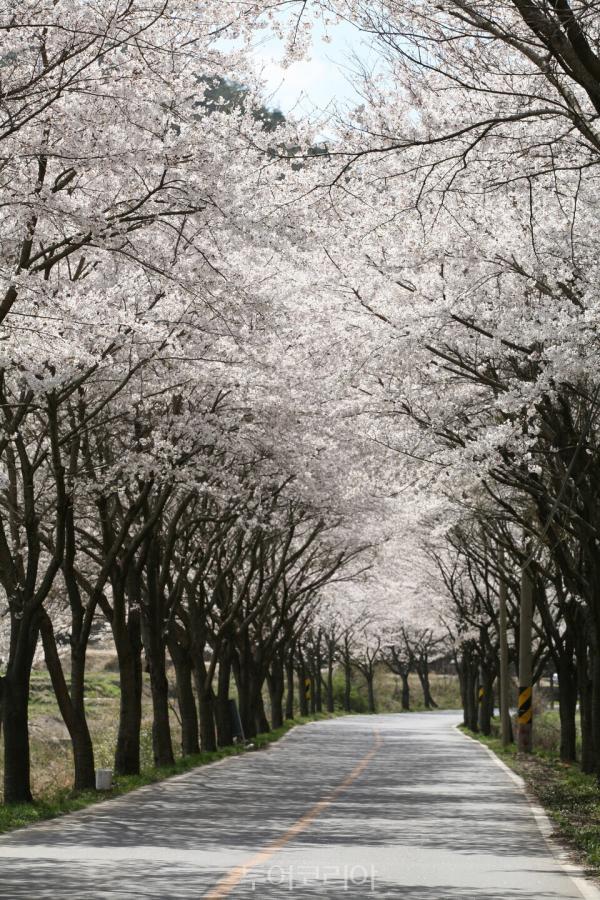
(481, 694)
(307, 693)
(525, 711)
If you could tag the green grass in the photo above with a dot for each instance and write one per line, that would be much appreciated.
(571, 798)
(66, 801)
(98, 686)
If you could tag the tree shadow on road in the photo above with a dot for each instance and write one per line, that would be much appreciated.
(423, 797)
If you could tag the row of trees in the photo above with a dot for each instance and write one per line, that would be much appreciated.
(156, 481)
(234, 361)
(362, 631)
(179, 463)
(467, 187)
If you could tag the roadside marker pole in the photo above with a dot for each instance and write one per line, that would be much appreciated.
(480, 703)
(307, 689)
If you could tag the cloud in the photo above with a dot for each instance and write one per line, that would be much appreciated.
(314, 84)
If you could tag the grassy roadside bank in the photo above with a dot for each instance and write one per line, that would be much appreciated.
(65, 801)
(570, 798)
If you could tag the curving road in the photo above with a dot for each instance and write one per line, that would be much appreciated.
(385, 806)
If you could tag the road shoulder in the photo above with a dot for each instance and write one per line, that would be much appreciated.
(571, 857)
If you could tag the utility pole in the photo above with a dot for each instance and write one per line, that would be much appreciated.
(504, 676)
(525, 715)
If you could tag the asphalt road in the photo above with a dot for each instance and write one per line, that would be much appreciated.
(384, 806)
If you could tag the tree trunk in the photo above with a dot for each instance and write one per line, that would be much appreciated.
(208, 737)
(261, 722)
(330, 698)
(129, 652)
(584, 686)
(469, 678)
(17, 766)
(461, 672)
(249, 679)
(486, 701)
(15, 709)
(242, 681)
(405, 691)
(186, 701)
(595, 709)
(302, 690)
(206, 707)
(222, 710)
(81, 742)
(370, 677)
(275, 683)
(162, 745)
(83, 747)
(347, 685)
(567, 692)
(422, 668)
(289, 695)
(317, 687)
(472, 717)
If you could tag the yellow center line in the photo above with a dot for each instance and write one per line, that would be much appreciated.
(224, 887)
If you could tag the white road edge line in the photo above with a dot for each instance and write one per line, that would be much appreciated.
(586, 888)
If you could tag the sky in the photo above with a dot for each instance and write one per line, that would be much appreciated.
(313, 85)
